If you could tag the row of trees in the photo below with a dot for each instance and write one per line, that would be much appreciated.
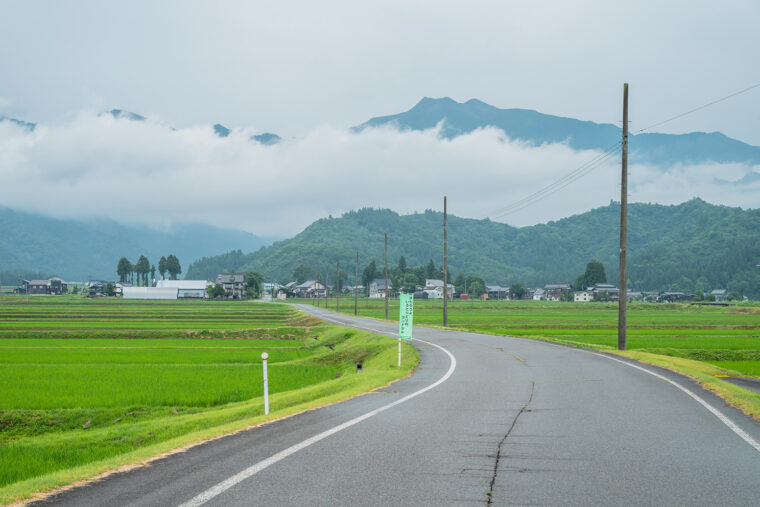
(137, 273)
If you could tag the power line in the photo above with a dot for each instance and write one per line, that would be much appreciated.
(597, 161)
(554, 190)
(699, 108)
(559, 184)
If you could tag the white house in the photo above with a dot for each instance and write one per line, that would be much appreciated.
(720, 294)
(582, 296)
(434, 289)
(186, 289)
(538, 295)
(377, 288)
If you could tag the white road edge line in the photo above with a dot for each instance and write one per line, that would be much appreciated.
(725, 420)
(261, 465)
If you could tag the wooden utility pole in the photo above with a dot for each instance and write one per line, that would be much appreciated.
(356, 284)
(445, 269)
(327, 277)
(387, 292)
(337, 287)
(623, 294)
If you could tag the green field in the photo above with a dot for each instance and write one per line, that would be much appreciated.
(87, 385)
(728, 336)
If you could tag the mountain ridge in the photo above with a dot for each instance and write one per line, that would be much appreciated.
(534, 128)
(538, 128)
(665, 246)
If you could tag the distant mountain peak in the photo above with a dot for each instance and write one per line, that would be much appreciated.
(267, 138)
(221, 130)
(535, 128)
(24, 124)
(121, 114)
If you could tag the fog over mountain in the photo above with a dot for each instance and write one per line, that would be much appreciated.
(130, 168)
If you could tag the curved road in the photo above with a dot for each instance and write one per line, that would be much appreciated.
(485, 419)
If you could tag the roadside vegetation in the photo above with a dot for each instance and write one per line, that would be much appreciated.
(90, 385)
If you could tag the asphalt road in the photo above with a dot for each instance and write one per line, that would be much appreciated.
(503, 420)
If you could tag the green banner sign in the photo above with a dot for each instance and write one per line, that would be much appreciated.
(406, 316)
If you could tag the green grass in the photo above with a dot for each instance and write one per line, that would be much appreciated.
(118, 381)
(679, 330)
(748, 367)
(147, 385)
(48, 354)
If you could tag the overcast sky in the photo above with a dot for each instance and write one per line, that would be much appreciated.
(308, 70)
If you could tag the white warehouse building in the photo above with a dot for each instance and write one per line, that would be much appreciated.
(186, 289)
(149, 293)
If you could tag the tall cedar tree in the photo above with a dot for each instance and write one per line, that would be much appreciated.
(173, 267)
(123, 269)
(142, 268)
(162, 267)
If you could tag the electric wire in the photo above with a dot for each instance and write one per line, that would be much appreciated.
(594, 163)
(554, 188)
(569, 178)
(703, 106)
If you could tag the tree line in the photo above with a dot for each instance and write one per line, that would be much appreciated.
(137, 273)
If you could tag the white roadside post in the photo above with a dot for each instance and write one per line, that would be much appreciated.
(265, 356)
(405, 320)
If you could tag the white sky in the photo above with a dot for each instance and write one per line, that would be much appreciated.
(308, 70)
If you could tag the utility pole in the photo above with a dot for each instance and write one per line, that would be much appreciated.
(327, 274)
(337, 287)
(387, 292)
(445, 269)
(623, 294)
(356, 284)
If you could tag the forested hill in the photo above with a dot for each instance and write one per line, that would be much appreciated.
(694, 245)
(35, 245)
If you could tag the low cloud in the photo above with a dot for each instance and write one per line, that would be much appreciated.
(145, 172)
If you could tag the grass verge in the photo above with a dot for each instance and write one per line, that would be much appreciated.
(38, 464)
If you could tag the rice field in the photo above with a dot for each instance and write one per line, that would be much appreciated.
(87, 381)
(728, 336)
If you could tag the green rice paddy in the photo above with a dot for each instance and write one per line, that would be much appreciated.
(728, 336)
(86, 385)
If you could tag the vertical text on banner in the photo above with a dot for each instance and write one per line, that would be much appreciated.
(406, 316)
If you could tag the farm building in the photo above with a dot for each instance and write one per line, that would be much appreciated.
(54, 286)
(309, 289)
(186, 289)
(150, 292)
(497, 292)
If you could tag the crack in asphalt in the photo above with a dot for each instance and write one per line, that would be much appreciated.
(498, 449)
